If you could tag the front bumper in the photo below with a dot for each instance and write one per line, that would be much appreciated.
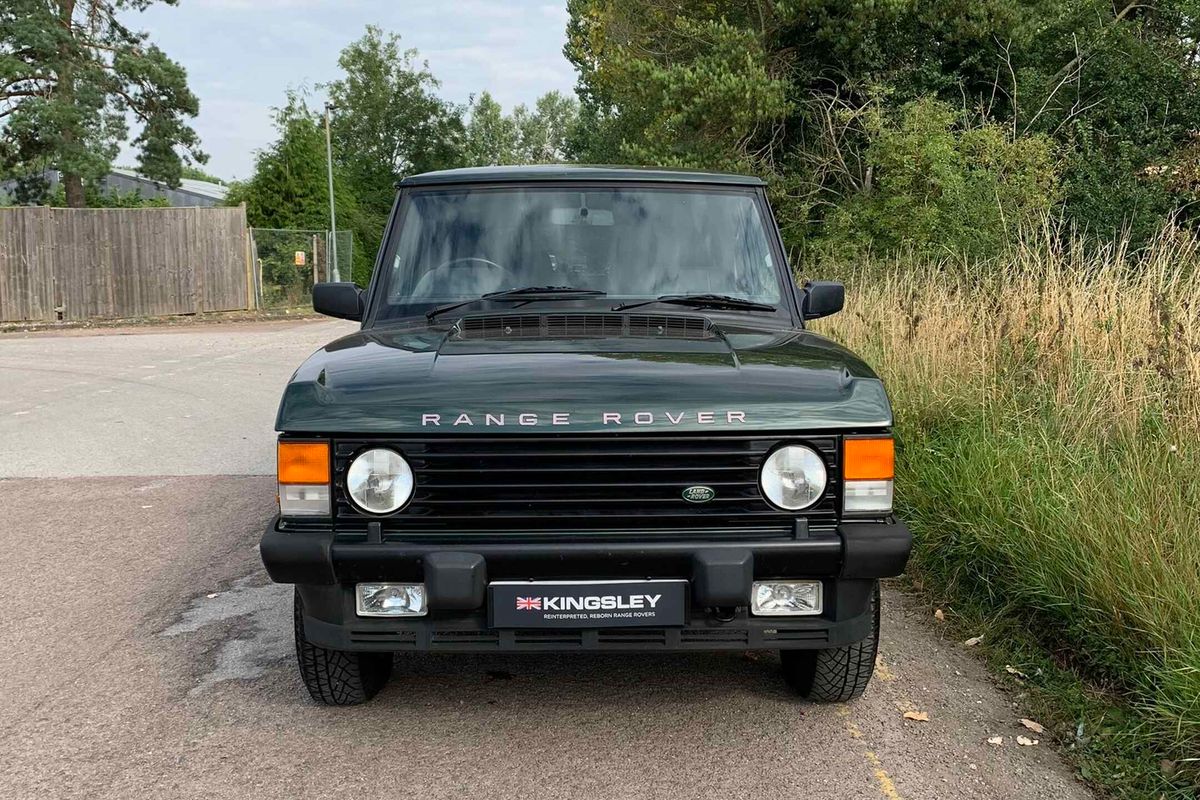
(456, 576)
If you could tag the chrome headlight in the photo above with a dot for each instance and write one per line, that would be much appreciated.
(379, 481)
(793, 477)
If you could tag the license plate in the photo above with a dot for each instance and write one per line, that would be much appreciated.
(587, 604)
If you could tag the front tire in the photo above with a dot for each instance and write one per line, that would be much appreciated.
(337, 677)
(836, 674)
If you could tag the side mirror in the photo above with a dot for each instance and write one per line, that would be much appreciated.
(822, 298)
(342, 300)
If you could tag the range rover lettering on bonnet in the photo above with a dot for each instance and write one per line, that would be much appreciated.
(530, 419)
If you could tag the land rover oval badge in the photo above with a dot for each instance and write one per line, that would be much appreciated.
(698, 494)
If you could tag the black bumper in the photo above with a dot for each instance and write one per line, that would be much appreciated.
(456, 576)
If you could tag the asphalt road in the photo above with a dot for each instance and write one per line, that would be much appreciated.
(145, 654)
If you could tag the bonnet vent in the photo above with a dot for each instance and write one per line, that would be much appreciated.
(583, 326)
(509, 326)
(651, 326)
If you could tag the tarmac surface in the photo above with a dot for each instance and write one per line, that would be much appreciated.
(146, 654)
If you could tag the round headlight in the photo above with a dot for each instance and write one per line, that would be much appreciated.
(379, 481)
(793, 477)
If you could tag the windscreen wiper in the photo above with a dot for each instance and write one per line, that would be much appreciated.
(702, 301)
(524, 293)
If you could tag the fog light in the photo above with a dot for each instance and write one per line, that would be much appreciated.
(391, 599)
(304, 500)
(785, 598)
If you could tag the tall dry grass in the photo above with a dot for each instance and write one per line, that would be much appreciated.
(1048, 415)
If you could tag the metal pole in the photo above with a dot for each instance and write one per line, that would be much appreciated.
(331, 269)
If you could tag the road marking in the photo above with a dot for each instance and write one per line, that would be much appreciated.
(886, 787)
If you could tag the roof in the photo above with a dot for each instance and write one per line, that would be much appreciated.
(572, 172)
(208, 189)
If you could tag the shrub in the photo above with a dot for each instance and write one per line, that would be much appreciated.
(942, 186)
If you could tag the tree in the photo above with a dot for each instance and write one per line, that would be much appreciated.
(780, 88)
(541, 136)
(491, 137)
(288, 190)
(688, 83)
(70, 74)
(544, 135)
(388, 121)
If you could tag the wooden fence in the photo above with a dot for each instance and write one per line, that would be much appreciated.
(70, 264)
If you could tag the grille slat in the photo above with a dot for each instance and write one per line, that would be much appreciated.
(595, 498)
(530, 485)
(574, 486)
(580, 453)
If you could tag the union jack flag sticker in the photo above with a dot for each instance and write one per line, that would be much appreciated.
(529, 604)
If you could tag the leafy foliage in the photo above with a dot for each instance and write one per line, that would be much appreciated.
(70, 73)
(96, 198)
(944, 186)
(289, 190)
(671, 83)
(387, 120)
(196, 174)
(539, 136)
(491, 137)
(795, 91)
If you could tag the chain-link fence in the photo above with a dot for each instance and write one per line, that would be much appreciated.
(288, 262)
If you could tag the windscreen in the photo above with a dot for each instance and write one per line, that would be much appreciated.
(630, 243)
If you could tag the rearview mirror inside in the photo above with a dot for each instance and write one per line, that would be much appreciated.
(581, 216)
(822, 298)
(342, 300)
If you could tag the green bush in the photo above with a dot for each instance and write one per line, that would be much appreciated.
(943, 187)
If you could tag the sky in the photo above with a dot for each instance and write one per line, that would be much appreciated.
(242, 56)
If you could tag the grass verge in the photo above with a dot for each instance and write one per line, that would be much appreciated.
(1099, 732)
(1048, 420)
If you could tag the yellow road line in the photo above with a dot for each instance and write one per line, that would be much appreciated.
(886, 787)
(885, 782)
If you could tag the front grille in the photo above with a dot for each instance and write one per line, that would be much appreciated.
(619, 485)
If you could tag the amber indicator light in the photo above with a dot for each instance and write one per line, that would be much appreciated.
(869, 459)
(304, 462)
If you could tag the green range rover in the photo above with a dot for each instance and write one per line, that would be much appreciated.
(583, 413)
